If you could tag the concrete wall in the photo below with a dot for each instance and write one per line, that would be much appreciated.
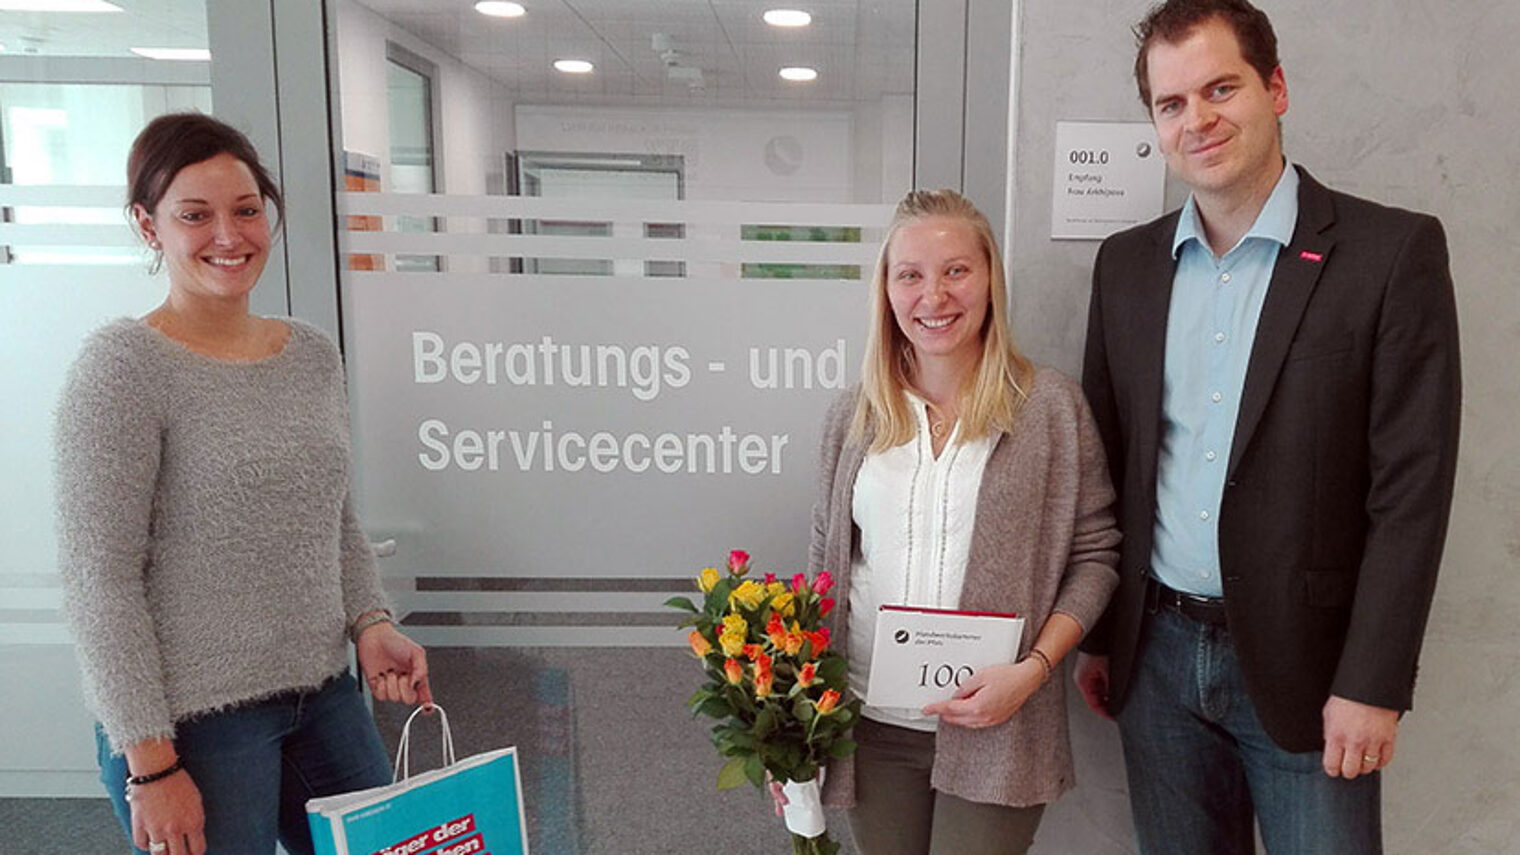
(1411, 104)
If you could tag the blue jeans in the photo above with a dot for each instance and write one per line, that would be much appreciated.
(1200, 764)
(258, 763)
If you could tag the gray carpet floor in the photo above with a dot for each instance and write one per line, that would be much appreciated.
(612, 764)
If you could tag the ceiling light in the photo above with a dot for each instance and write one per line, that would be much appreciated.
(176, 54)
(799, 74)
(787, 18)
(500, 9)
(58, 6)
(573, 66)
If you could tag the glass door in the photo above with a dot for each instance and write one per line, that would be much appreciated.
(657, 222)
(75, 88)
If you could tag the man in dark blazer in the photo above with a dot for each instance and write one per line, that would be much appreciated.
(1274, 371)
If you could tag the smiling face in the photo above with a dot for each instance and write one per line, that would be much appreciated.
(212, 228)
(1215, 117)
(938, 282)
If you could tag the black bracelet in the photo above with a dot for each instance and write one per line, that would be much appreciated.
(140, 780)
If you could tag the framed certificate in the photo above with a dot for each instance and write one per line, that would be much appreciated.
(923, 655)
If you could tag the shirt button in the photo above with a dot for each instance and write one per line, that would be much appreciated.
(1216, 397)
(1203, 515)
(1224, 277)
(1209, 456)
(1219, 336)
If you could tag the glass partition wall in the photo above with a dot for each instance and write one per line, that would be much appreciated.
(657, 221)
(75, 88)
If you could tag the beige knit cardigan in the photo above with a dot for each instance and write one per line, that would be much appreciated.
(1044, 540)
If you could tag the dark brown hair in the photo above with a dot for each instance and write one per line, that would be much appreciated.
(1172, 20)
(174, 141)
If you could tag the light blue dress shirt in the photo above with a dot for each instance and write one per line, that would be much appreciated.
(1210, 328)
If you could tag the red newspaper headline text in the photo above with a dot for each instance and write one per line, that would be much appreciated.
(468, 846)
(431, 837)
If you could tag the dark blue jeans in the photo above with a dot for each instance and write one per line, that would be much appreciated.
(257, 764)
(1200, 765)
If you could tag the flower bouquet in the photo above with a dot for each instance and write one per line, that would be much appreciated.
(774, 685)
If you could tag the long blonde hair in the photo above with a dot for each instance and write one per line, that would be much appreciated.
(991, 396)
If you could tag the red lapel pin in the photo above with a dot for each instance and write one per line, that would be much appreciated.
(1306, 255)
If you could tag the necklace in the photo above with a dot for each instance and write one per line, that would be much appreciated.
(939, 423)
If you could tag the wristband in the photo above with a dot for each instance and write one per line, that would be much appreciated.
(1039, 655)
(367, 620)
(144, 780)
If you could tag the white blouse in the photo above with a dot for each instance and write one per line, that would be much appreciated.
(915, 513)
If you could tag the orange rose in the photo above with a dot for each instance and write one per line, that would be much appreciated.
(763, 684)
(775, 631)
(699, 643)
(733, 671)
(807, 675)
(827, 703)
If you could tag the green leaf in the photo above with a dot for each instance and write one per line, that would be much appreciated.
(682, 603)
(715, 707)
(732, 774)
(833, 669)
(842, 748)
(699, 696)
(716, 602)
(803, 710)
(765, 722)
(754, 770)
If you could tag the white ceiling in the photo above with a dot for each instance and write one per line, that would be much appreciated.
(862, 49)
(141, 23)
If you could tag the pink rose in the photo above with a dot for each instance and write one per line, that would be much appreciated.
(799, 582)
(738, 562)
(823, 583)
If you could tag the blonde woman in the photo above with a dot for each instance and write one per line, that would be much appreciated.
(959, 476)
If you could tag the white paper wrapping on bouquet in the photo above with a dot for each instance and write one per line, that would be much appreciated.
(804, 807)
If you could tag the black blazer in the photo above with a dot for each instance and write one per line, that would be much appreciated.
(1340, 474)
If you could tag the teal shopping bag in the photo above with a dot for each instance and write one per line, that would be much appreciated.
(472, 806)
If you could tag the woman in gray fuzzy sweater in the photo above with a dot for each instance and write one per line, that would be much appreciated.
(214, 570)
(959, 476)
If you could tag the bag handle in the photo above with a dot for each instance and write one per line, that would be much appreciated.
(403, 768)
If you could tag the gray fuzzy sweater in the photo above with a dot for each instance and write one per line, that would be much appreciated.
(1044, 540)
(207, 542)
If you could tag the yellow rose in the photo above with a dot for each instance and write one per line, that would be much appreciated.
(732, 644)
(774, 588)
(749, 594)
(735, 624)
(708, 579)
(785, 603)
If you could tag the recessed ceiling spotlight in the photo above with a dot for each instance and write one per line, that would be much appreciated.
(58, 6)
(573, 66)
(500, 9)
(174, 54)
(787, 18)
(799, 74)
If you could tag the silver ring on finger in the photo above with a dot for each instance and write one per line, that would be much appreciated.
(1370, 759)
(157, 846)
